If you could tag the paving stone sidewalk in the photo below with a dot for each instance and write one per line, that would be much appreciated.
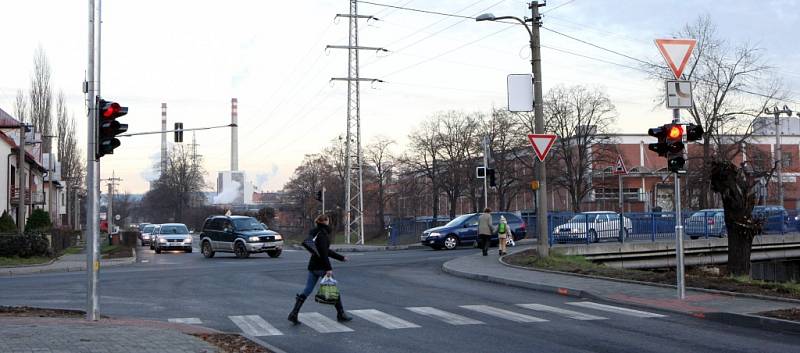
(55, 335)
(696, 303)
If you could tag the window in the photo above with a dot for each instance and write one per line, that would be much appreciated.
(630, 194)
(787, 159)
(216, 224)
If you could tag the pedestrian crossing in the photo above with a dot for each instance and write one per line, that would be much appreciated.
(255, 325)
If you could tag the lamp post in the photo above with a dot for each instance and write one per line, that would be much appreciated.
(538, 113)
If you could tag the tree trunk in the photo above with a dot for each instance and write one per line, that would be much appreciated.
(739, 248)
(381, 208)
(732, 185)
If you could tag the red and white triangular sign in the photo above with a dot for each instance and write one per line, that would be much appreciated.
(620, 167)
(676, 52)
(541, 144)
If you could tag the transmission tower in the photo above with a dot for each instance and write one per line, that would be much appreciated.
(354, 217)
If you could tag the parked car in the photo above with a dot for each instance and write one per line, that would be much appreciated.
(146, 233)
(240, 235)
(709, 222)
(172, 236)
(153, 235)
(593, 227)
(774, 219)
(463, 230)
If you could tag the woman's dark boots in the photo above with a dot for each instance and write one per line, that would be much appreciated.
(341, 315)
(299, 300)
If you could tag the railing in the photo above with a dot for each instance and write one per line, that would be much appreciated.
(31, 197)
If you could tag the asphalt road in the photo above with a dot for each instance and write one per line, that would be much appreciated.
(397, 296)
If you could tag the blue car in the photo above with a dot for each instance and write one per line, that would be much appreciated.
(463, 230)
(774, 219)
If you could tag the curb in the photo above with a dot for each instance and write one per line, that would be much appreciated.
(266, 345)
(734, 319)
(662, 285)
(38, 269)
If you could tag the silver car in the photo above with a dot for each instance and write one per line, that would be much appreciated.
(173, 236)
(706, 223)
(147, 233)
(592, 227)
(153, 234)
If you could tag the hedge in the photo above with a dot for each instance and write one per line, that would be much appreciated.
(24, 246)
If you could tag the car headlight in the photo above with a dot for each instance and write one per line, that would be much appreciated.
(278, 237)
(162, 240)
(187, 240)
(434, 235)
(253, 239)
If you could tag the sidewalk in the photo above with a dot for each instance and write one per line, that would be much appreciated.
(66, 263)
(717, 306)
(34, 334)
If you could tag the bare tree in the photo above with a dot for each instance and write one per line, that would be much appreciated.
(580, 117)
(176, 187)
(380, 159)
(41, 98)
(457, 137)
(506, 143)
(308, 178)
(21, 107)
(425, 144)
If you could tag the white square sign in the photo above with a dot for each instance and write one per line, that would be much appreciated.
(520, 92)
(679, 94)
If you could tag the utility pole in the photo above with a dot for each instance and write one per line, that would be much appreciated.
(112, 183)
(778, 150)
(354, 197)
(543, 247)
(50, 170)
(21, 179)
(485, 172)
(92, 263)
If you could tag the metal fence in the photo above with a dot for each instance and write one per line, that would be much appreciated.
(408, 230)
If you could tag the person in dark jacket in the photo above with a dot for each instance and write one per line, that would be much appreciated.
(319, 266)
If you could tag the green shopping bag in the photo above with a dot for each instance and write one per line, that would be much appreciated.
(328, 293)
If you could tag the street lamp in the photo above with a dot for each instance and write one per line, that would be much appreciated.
(536, 68)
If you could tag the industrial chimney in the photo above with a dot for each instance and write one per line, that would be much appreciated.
(234, 135)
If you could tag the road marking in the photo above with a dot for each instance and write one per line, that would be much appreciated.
(503, 314)
(563, 312)
(254, 325)
(187, 320)
(450, 318)
(383, 319)
(322, 324)
(615, 309)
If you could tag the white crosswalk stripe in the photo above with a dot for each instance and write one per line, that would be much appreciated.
(254, 325)
(322, 324)
(502, 313)
(563, 312)
(450, 318)
(615, 309)
(186, 320)
(383, 319)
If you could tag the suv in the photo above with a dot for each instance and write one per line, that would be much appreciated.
(464, 230)
(240, 235)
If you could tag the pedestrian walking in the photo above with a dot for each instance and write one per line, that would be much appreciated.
(485, 230)
(503, 233)
(319, 265)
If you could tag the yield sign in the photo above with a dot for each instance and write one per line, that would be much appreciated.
(620, 167)
(541, 144)
(676, 52)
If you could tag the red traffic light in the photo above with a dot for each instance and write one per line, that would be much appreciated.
(111, 110)
(675, 132)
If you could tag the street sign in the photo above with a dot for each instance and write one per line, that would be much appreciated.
(676, 52)
(520, 92)
(541, 144)
(480, 172)
(679, 94)
(619, 168)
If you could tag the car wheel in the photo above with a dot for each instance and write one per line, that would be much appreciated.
(240, 251)
(274, 253)
(206, 249)
(593, 236)
(451, 242)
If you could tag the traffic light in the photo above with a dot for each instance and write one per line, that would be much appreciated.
(108, 127)
(319, 196)
(492, 181)
(694, 132)
(179, 132)
(675, 147)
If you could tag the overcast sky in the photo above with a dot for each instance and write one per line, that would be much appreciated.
(196, 55)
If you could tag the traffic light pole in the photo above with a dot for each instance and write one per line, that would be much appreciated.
(676, 119)
(92, 246)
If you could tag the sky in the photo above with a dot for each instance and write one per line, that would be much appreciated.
(271, 55)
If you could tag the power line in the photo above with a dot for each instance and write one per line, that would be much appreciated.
(558, 7)
(599, 47)
(417, 10)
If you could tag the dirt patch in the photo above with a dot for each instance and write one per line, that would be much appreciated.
(786, 314)
(716, 278)
(26, 311)
(231, 343)
(117, 252)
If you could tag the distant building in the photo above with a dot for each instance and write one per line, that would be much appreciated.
(233, 189)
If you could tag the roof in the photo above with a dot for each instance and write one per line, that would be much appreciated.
(7, 121)
(13, 145)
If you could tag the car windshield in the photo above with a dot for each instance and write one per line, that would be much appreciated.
(247, 224)
(458, 220)
(583, 218)
(174, 229)
(148, 229)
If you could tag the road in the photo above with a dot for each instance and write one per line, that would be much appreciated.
(401, 302)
